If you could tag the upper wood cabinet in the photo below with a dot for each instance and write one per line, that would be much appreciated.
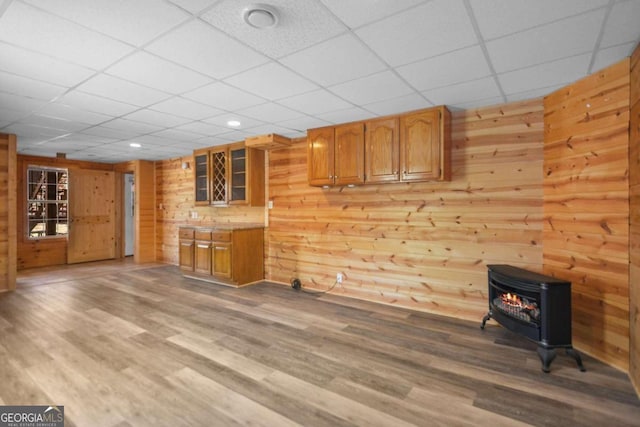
(382, 150)
(336, 155)
(234, 176)
(410, 147)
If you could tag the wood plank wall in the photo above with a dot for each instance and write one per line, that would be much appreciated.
(634, 231)
(419, 245)
(8, 250)
(586, 207)
(42, 252)
(175, 204)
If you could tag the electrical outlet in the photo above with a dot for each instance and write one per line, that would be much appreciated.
(339, 278)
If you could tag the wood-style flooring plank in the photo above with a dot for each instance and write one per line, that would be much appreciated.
(120, 345)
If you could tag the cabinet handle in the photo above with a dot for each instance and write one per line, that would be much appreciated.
(204, 246)
(221, 248)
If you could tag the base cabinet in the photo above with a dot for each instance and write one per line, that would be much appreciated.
(233, 257)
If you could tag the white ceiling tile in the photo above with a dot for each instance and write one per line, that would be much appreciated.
(271, 128)
(154, 140)
(271, 81)
(203, 128)
(400, 104)
(96, 104)
(109, 133)
(300, 24)
(67, 112)
(213, 141)
(224, 97)
(129, 21)
(546, 43)
(206, 50)
(565, 70)
(319, 101)
(497, 18)
(149, 70)
(41, 67)
(611, 55)
(444, 70)
(132, 126)
(427, 30)
(356, 13)
(156, 118)
(193, 6)
(28, 27)
(122, 90)
(33, 130)
(378, 87)
(343, 58)
(22, 86)
(9, 115)
(304, 123)
(270, 112)
(20, 103)
(186, 108)
(622, 24)
(468, 91)
(348, 115)
(178, 135)
(478, 103)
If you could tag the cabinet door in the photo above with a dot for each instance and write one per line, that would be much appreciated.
(420, 146)
(238, 175)
(201, 172)
(219, 168)
(320, 156)
(202, 257)
(349, 154)
(186, 255)
(382, 151)
(221, 259)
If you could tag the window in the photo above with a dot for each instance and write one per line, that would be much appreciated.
(47, 201)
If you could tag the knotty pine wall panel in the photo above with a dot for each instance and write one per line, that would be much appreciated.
(8, 250)
(175, 200)
(586, 207)
(419, 245)
(634, 217)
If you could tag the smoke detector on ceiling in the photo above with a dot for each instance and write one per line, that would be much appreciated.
(260, 16)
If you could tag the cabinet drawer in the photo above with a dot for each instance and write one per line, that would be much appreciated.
(221, 236)
(203, 235)
(186, 233)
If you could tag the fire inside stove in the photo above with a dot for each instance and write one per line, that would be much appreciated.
(518, 307)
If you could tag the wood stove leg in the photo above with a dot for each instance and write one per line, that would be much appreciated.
(576, 355)
(546, 357)
(484, 319)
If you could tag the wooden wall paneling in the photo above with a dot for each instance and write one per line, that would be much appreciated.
(418, 245)
(8, 210)
(43, 252)
(175, 206)
(145, 212)
(586, 207)
(634, 221)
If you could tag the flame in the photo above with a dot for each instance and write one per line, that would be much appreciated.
(512, 299)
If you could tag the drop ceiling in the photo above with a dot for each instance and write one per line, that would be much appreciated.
(89, 77)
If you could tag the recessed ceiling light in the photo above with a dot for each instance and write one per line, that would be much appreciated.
(260, 16)
(135, 145)
(233, 123)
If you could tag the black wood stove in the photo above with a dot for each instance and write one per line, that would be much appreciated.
(535, 306)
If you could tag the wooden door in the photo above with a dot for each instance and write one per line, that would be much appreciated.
(92, 225)
(221, 259)
(382, 151)
(201, 177)
(349, 154)
(320, 161)
(237, 176)
(219, 173)
(420, 146)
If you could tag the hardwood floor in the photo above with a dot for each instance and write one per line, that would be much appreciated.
(120, 344)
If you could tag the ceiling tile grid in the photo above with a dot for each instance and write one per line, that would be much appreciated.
(90, 77)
